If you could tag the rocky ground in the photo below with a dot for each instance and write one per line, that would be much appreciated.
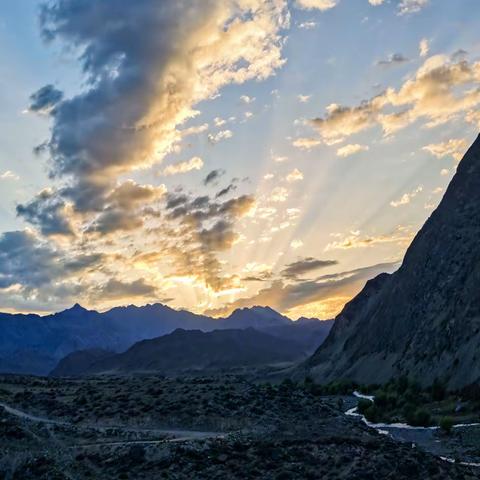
(141, 428)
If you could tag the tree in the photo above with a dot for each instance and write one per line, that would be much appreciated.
(446, 424)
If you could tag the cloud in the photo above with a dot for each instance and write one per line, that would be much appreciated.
(246, 99)
(406, 198)
(146, 68)
(296, 243)
(49, 213)
(439, 91)
(225, 191)
(294, 176)
(9, 175)
(455, 147)
(473, 117)
(353, 240)
(459, 55)
(351, 149)
(321, 5)
(218, 137)
(115, 289)
(219, 122)
(213, 176)
(219, 237)
(424, 47)
(376, 3)
(32, 263)
(122, 210)
(307, 25)
(304, 98)
(407, 7)
(195, 163)
(206, 228)
(306, 143)
(279, 195)
(43, 101)
(283, 297)
(393, 59)
(305, 265)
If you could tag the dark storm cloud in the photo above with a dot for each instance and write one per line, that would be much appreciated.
(217, 238)
(122, 210)
(116, 289)
(305, 265)
(213, 176)
(93, 136)
(47, 211)
(31, 263)
(112, 220)
(144, 62)
(45, 99)
(175, 200)
(200, 209)
(225, 191)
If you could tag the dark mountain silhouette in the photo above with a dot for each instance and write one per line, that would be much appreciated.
(76, 363)
(186, 350)
(424, 319)
(34, 344)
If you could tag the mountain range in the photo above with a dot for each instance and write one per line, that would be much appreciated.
(423, 320)
(33, 344)
(186, 350)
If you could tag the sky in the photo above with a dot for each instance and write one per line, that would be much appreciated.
(217, 154)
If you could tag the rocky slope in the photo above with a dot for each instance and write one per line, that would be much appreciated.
(424, 319)
(186, 350)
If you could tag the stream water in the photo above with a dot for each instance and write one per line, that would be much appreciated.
(425, 437)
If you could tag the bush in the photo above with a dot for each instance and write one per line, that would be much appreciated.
(446, 424)
(372, 414)
(421, 418)
(381, 400)
(363, 405)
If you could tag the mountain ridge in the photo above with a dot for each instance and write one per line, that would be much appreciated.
(424, 319)
(186, 350)
(34, 344)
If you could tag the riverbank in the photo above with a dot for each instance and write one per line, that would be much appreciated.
(461, 444)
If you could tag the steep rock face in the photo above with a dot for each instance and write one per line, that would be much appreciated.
(424, 319)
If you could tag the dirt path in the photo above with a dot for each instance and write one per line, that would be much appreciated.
(172, 435)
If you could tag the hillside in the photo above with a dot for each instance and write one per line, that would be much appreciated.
(424, 319)
(34, 344)
(187, 350)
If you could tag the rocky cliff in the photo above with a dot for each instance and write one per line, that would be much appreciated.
(424, 319)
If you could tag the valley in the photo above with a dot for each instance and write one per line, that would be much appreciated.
(228, 426)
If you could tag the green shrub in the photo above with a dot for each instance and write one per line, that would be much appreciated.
(446, 424)
(363, 405)
(381, 400)
(373, 414)
(421, 418)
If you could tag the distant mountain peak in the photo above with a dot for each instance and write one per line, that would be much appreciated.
(76, 308)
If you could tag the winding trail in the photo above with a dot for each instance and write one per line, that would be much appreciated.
(175, 435)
